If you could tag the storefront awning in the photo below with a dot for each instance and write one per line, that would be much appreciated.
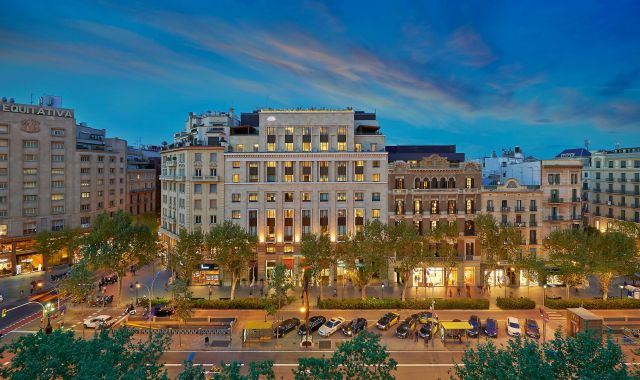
(288, 263)
(456, 325)
(258, 325)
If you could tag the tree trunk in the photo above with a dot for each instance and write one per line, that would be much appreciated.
(363, 294)
(320, 284)
(446, 281)
(234, 281)
(120, 277)
(605, 279)
(404, 289)
(568, 290)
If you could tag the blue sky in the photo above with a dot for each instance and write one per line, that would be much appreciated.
(484, 75)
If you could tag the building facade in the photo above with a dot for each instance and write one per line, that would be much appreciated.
(561, 184)
(434, 190)
(143, 182)
(613, 184)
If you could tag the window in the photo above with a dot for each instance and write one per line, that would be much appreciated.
(306, 196)
(197, 204)
(306, 222)
(213, 188)
(197, 188)
(375, 197)
(341, 224)
(29, 228)
(82, 171)
(253, 172)
(288, 225)
(358, 214)
(57, 145)
(253, 197)
(270, 197)
(288, 139)
(324, 221)
(359, 171)
(271, 139)
(375, 213)
(57, 225)
(34, 157)
(306, 139)
(288, 171)
(288, 197)
(85, 183)
(85, 207)
(324, 197)
(29, 184)
(610, 164)
(256, 147)
(342, 139)
(30, 144)
(324, 171)
(235, 197)
(469, 183)
(3, 199)
(3, 185)
(30, 171)
(271, 225)
(29, 198)
(271, 171)
(4, 157)
(85, 158)
(57, 132)
(197, 157)
(341, 196)
(57, 209)
(213, 157)
(57, 197)
(4, 142)
(341, 168)
(100, 158)
(4, 128)
(375, 177)
(197, 219)
(435, 208)
(57, 158)
(324, 139)
(253, 222)
(375, 164)
(213, 204)
(235, 214)
(374, 147)
(357, 147)
(85, 194)
(197, 172)
(235, 178)
(305, 172)
(235, 164)
(358, 197)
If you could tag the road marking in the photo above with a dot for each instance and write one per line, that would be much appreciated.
(309, 351)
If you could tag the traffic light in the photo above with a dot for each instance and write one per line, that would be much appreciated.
(4, 313)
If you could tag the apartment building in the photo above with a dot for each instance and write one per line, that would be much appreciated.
(143, 182)
(192, 184)
(613, 185)
(435, 190)
(294, 172)
(561, 184)
(520, 206)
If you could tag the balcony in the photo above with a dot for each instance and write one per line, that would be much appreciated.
(620, 217)
(636, 205)
(505, 209)
(554, 218)
(597, 213)
(520, 224)
(490, 209)
(622, 204)
(555, 200)
(635, 180)
(609, 179)
(576, 217)
(622, 180)
(519, 209)
(597, 190)
(533, 224)
(533, 208)
(575, 199)
(212, 178)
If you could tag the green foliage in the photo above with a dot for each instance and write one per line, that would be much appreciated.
(497, 242)
(613, 254)
(182, 300)
(188, 254)
(239, 304)
(191, 372)
(110, 354)
(515, 303)
(568, 252)
(442, 248)
(361, 358)
(257, 370)
(232, 247)
(79, 284)
(406, 245)
(583, 357)
(414, 304)
(50, 243)
(318, 255)
(279, 283)
(610, 303)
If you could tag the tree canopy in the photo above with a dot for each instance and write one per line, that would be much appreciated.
(496, 243)
(188, 254)
(405, 245)
(318, 255)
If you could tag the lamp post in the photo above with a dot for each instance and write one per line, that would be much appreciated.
(382, 290)
(621, 287)
(544, 293)
(138, 286)
(49, 308)
(209, 286)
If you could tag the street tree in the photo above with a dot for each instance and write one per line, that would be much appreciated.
(441, 247)
(191, 372)
(51, 243)
(569, 253)
(405, 245)
(318, 255)
(260, 370)
(182, 302)
(613, 254)
(361, 358)
(115, 243)
(280, 283)
(232, 248)
(583, 357)
(79, 284)
(188, 254)
(497, 243)
(365, 254)
(110, 354)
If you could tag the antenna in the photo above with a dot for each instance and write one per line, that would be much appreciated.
(586, 144)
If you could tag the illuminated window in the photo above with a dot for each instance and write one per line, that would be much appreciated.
(288, 225)
(341, 196)
(253, 197)
(324, 139)
(271, 139)
(435, 209)
(306, 139)
(270, 197)
(358, 197)
(59, 197)
(288, 139)
(341, 169)
(306, 197)
(235, 164)
(342, 139)
(271, 171)
(324, 171)
(288, 171)
(271, 224)
(236, 178)
(254, 175)
(235, 214)
(358, 219)
(358, 171)
(375, 213)
(235, 197)
(375, 177)
(305, 171)
(357, 147)
(85, 194)
(239, 147)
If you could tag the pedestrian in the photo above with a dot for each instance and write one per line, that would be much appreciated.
(576, 290)
(416, 336)
(426, 339)
(450, 293)
(335, 292)
(458, 290)
(261, 292)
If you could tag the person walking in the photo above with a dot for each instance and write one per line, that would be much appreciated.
(415, 334)
(458, 291)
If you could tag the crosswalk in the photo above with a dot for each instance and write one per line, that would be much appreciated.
(555, 315)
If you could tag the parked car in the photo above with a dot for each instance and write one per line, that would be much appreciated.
(455, 334)
(286, 327)
(388, 320)
(491, 328)
(406, 328)
(353, 327)
(98, 322)
(474, 321)
(314, 324)
(531, 328)
(513, 326)
(331, 326)
(427, 316)
(163, 311)
(428, 330)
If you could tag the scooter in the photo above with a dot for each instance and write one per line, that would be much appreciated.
(129, 309)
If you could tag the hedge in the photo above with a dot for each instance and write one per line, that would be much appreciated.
(239, 303)
(612, 303)
(515, 303)
(389, 303)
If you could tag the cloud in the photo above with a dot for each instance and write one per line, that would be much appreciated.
(620, 83)
(470, 46)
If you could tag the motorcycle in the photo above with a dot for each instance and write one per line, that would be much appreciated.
(129, 309)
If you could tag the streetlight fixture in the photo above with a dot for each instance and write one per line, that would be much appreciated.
(544, 293)
(621, 287)
(382, 290)
(138, 286)
(209, 286)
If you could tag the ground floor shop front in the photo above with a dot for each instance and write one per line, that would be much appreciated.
(20, 257)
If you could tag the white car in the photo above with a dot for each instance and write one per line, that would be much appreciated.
(331, 326)
(98, 321)
(513, 326)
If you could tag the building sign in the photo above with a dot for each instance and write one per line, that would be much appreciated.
(36, 110)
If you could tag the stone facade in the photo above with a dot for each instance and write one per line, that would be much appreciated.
(561, 183)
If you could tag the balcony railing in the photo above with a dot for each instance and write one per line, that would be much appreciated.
(505, 209)
(555, 200)
(533, 224)
(635, 180)
(533, 208)
(533, 241)
(519, 209)
(575, 199)
(520, 224)
(490, 209)
(554, 218)
(597, 190)
(622, 180)
(622, 204)
(609, 179)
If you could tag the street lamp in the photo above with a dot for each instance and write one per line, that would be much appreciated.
(544, 293)
(209, 286)
(138, 286)
(621, 287)
(49, 308)
(382, 290)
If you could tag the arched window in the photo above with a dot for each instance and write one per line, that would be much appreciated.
(417, 183)
(434, 183)
(425, 183)
(452, 183)
(443, 183)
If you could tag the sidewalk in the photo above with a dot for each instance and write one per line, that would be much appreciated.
(10, 287)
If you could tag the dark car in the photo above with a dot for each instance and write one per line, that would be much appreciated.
(163, 311)
(314, 324)
(428, 330)
(427, 316)
(474, 321)
(388, 320)
(531, 328)
(407, 327)
(286, 327)
(353, 327)
(491, 328)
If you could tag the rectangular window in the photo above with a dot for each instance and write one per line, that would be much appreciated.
(4, 128)
(288, 225)
(29, 228)
(213, 204)
(85, 158)
(435, 208)
(235, 164)
(374, 147)
(30, 143)
(305, 196)
(57, 132)
(375, 164)
(29, 184)
(341, 169)
(57, 209)
(270, 197)
(324, 171)
(213, 188)
(341, 196)
(85, 194)
(288, 139)
(197, 188)
(29, 198)
(271, 171)
(271, 139)
(235, 197)
(271, 224)
(324, 197)
(288, 197)
(197, 204)
(288, 171)
(375, 213)
(253, 197)
(375, 197)
(358, 171)
(256, 147)
(57, 158)
(29, 211)
(341, 224)
(253, 222)
(236, 178)
(375, 177)
(254, 175)
(358, 197)
(324, 139)
(358, 219)
(305, 171)
(57, 197)
(57, 145)
(306, 139)
(4, 157)
(306, 222)
(357, 147)
(324, 221)
(30, 171)
(342, 139)
(33, 157)
(235, 214)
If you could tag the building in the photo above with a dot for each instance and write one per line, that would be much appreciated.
(192, 183)
(294, 172)
(512, 163)
(435, 190)
(584, 156)
(143, 180)
(54, 174)
(614, 187)
(520, 206)
(415, 153)
(561, 184)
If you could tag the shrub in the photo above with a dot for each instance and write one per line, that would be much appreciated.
(239, 303)
(515, 303)
(613, 303)
(388, 303)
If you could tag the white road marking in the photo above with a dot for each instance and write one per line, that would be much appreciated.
(310, 351)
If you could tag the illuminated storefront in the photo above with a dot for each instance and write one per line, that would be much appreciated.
(207, 274)
(6, 262)
(527, 279)
(469, 276)
(434, 276)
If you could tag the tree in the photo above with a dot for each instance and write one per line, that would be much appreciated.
(110, 354)
(365, 254)
(115, 243)
(260, 370)
(613, 254)
(497, 243)
(188, 254)
(583, 357)
(406, 245)
(232, 248)
(280, 283)
(361, 358)
(568, 252)
(442, 248)
(50, 243)
(318, 255)
(79, 283)
(191, 372)
(182, 302)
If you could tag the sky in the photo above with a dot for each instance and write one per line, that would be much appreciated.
(484, 75)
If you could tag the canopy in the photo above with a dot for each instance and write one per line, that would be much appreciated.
(456, 325)
(258, 325)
